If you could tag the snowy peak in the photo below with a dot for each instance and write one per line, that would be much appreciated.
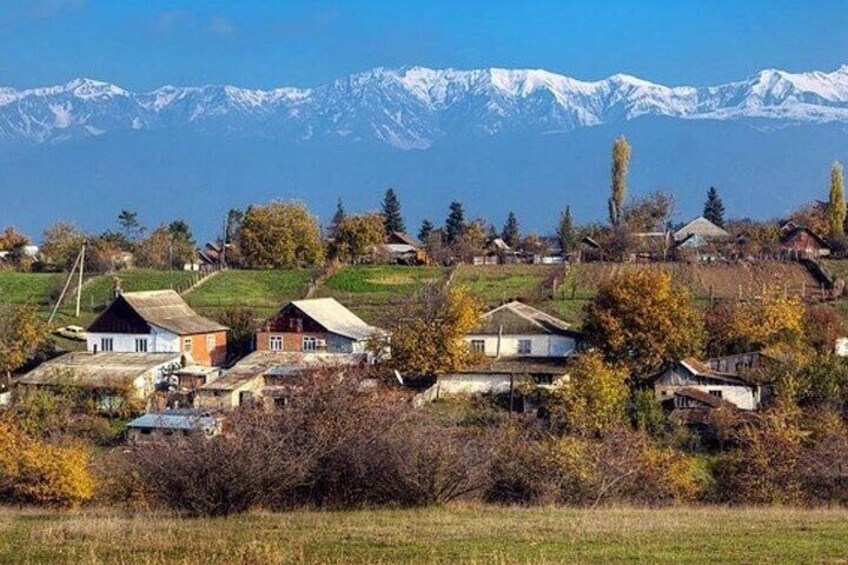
(413, 107)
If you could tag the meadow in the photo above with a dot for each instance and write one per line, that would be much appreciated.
(450, 534)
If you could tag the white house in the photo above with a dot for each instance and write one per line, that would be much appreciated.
(157, 322)
(676, 384)
(515, 342)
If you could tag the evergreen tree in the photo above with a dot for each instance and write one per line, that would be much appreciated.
(714, 208)
(427, 228)
(836, 202)
(455, 224)
(566, 232)
(392, 218)
(130, 225)
(620, 162)
(510, 233)
(337, 219)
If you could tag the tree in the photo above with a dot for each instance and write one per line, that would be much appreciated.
(568, 237)
(822, 327)
(773, 319)
(427, 228)
(510, 233)
(644, 320)
(22, 333)
(455, 224)
(235, 217)
(280, 235)
(714, 208)
(11, 239)
(428, 338)
(592, 399)
(62, 243)
(130, 225)
(162, 249)
(620, 162)
(836, 202)
(392, 218)
(180, 230)
(338, 218)
(650, 213)
(358, 235)
(471, 242)
(241, 322)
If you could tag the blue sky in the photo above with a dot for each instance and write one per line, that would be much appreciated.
(145, 44)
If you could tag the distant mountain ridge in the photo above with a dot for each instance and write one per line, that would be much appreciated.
(413, 107)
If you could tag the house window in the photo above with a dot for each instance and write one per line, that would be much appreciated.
(210, 342)
(309, 343)
(141, 345)
(716, 393)
(478, 345)
(187, 345)
(275, 343)
(525, 347)
(106, 344)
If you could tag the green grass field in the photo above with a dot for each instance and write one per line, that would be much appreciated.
(495, 284)
(35, 288)
(454, 534)
(252, 289)
(373, 291)
(98, 292)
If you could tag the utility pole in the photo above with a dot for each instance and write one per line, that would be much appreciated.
(79, 283)
(171, 261)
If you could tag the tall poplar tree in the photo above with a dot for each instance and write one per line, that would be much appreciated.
(392, 218)
(338, 218)
(836, 202)
(714, 208)
(620, 162)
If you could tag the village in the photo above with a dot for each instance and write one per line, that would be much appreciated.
(691, 343)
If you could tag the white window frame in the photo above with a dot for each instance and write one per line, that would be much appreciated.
(529, 348)
(107, 344)
(211, 342)
(275, 343)
(187, 344)
(309, 344)
(141, 345)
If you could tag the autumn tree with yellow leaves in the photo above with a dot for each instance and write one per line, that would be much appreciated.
(643, 320)
(280, 235)
(22, 332)
(428, 337)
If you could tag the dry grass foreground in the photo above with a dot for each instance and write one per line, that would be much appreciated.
(456, 534)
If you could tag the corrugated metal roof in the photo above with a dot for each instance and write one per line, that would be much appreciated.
(280, 363)
(700, 226)
(175, 420)
(337, 319)
(84, 368)
(166, 309)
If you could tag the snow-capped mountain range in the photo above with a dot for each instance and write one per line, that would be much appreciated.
(413, 107)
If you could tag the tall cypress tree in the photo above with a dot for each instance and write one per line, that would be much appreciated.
(392, 218)
(836, 202)
(566, 232)
(338, 218)
(620, 163)
(714, 208)
(427, 228)
(510, 233)
(455, 224)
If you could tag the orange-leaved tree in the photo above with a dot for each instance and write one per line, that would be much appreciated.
(644, 320)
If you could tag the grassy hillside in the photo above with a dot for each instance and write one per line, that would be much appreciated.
(32, 288)
(98, 292)
(454, 534)
(495, 284)
(253, 289)
(374, 291)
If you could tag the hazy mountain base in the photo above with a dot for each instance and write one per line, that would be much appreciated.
(762, 169)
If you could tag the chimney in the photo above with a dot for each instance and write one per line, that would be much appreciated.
(117, 290)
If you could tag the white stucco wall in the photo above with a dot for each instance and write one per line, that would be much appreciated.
(540, 345)
(458, 384)
(742, 397)
(158, 341)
